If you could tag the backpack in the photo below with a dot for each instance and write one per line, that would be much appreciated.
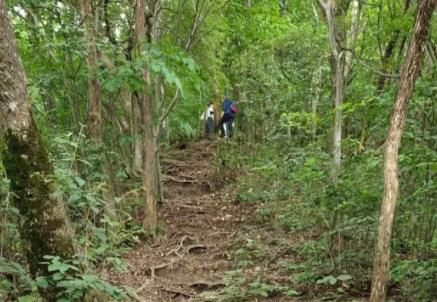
(227, 104)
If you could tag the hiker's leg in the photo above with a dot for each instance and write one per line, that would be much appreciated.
(206, 128)
(222, 127)
(209, 127)
(225, 129)
(231, 128)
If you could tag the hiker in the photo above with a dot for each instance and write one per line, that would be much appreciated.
(208, 117)
(228, 115)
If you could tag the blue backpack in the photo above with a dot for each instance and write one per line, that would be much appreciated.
(229, 107)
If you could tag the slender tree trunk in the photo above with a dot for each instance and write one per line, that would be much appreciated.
(353, 36)
(94, 106)
(339, 90)
(317, 89)
(45, 229)
(145, 103)
(338, 84)
(409, 75)
(341, 61)
(138, 143)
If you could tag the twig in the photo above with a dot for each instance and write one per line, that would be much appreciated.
(153, 269)
(394, 76)
(179, 246)
(142, 287)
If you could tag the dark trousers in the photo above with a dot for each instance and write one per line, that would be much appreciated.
(226, 125)
(209, 127)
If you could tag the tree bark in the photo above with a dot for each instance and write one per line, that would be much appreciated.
(45, 229)
(146, 106)
(408, 78)
(94, 103)
(316, 87)
(353, 36)
(338, 83)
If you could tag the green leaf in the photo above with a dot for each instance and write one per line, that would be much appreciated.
(344, 277)
(27, 298)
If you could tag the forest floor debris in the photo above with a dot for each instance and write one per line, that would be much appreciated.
(205, 237)
(200, 223)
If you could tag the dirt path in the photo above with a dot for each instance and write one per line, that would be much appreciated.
(199, 222)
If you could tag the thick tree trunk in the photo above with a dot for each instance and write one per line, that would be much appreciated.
(45, 229)
(409, 75)
(94, 106)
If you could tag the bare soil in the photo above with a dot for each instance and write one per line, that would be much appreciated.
(202, 228)
(199, 221)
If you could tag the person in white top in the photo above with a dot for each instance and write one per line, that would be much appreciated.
(208, 117)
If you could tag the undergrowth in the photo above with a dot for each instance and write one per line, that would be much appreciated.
(101, 217)
(327, 232)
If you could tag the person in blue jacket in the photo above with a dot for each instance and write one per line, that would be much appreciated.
(228, 115)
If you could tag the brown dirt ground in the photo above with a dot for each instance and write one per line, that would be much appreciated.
(202, 228)
(199, 222)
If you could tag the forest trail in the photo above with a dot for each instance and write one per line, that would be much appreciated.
(200, 223)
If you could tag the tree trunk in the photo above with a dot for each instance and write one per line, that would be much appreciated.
(339, 90)
(316, 87)
(353, 36)
(94, 106)
(138, 142)
(149, 163)
(338, 83)
(45, 229)
(145, 103)
(409, 75)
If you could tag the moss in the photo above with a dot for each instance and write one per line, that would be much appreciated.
(45, 229)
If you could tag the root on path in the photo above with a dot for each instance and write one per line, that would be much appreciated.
(200, 222)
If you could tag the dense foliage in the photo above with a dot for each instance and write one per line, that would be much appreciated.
(273, 57)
